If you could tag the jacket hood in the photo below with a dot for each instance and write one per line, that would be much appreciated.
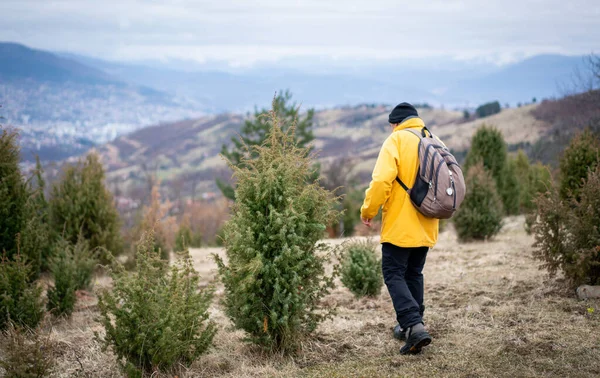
(410, 123)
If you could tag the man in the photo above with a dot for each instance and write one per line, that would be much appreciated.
(406, 234)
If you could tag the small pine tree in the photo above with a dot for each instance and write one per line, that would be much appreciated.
(61, 295)
(256, 130)
(510, 192)
(480, 215)
(85, 261)
(361, 269)
(20, 300)
(539, 181)
(488, 147)
(567, 236)
(21, 210)
(582, 154)
(82, 206)
(275, 276)
(40, 204)
(156, 318)
(522, 172)
(184, 238)
(13, 193)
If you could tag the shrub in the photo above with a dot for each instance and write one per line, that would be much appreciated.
(489, 148)
(275, 275)
(13, 193)
(85, 263)
(480, 215)
(255, 132)
(81, 206)
(567, 235)
(361, 269)
(538, 182)
(41, 226)
(186, 238)
(155, 317)
(510, 192)
(61, 296)
(582, 154)
(20, 211)
(488, 109)
(20, 300)
(183, 238)
(27, 354)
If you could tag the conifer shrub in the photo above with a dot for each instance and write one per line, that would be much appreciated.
(183, 238)
(275, 275)
(41, 225)
(186, 238)
(13, 193)
(72, 269)
(567, 235)
(582, 154)
(488, 147)
(480, 215)
(361, 269)
(155, 317)
(61, 295)
(20, 209)
(82, 206)
(20, 299)
(27, 353)
(510, 192)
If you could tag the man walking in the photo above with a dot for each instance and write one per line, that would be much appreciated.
(406, 234)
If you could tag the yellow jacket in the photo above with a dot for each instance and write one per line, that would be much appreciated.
(402, 224)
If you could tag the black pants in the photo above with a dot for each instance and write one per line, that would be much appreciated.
(402, 271)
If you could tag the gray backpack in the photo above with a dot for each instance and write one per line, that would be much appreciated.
(440, 186)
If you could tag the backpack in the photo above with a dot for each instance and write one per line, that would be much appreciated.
(440, 186)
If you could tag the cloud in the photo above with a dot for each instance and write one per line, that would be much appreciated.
(246, 32)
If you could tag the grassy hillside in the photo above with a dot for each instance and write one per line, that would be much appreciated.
(186, 154)
(490, 310)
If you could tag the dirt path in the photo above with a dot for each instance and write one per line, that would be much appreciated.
(491, 312)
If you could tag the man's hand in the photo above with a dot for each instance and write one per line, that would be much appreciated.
(366, 222)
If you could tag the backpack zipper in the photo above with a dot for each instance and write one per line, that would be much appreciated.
(453, 190)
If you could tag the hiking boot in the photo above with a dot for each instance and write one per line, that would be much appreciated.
(399, 333)
(416, 338)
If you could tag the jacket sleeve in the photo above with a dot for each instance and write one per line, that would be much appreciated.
(384, 174)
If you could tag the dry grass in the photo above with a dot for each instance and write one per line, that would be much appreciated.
(518, 125)
(490, 310)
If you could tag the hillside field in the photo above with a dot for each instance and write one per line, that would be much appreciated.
(186, 153)
(490, 310)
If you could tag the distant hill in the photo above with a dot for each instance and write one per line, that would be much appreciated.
(63, 103)
(18, 62)
(63, 106)
(185, 155)
(452, 83)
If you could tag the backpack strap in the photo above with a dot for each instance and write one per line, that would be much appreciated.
(402, 184)
(420, 135)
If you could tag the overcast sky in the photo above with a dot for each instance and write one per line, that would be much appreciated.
(244, 33)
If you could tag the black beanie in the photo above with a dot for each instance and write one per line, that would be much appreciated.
(401, 112)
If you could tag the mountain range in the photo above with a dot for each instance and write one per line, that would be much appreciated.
(65, 103)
